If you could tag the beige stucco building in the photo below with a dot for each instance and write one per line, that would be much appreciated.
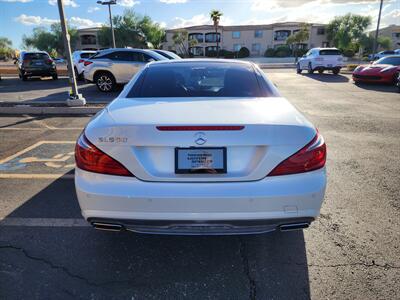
(393, 32)
(257, 38)
(88, 39)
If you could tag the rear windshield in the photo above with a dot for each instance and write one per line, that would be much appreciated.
(329, 52)
(87, 55)
(32, 56)
(199, 80)
(395, 61)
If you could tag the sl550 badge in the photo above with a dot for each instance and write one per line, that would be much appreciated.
(113, 139)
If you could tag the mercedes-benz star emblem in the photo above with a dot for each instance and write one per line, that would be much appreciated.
(200, 138)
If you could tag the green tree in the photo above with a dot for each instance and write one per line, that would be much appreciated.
(215, 16)
(49, 40)
(298, 38)
(133, 30)
(6, 50)
(180, 38)
(346, 32)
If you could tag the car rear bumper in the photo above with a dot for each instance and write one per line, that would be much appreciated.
(269, 202)
(39, 72)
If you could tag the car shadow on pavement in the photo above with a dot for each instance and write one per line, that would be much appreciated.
(46, 90)
(81, 262)
(327, 77)
(379, 87)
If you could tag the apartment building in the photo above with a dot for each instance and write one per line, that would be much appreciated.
(393, 32)
(257, 38)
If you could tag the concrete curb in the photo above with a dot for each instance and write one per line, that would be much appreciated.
(45, 110)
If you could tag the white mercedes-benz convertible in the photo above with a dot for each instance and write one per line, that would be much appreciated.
(200, 147)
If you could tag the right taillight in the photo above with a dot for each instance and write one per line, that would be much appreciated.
(311, 157)
(89, 158)
(87, 62)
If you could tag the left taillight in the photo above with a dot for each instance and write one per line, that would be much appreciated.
(309, 158)
(87, 62)
(81, 61)
(89, 158)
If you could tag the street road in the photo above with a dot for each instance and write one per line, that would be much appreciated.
(350, 252)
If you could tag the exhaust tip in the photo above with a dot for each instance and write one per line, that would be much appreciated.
(294, 226)
(107, 226)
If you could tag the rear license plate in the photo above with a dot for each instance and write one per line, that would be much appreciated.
(200, 160)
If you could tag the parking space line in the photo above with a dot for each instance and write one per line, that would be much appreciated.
(33, 147)
(36, 176)
(44, 222)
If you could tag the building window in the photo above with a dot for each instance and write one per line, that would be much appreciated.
(196, 51)
(396, 35)
(236, 34)
(255, 47)
(88, 39)
(236, 47)
(281, 35)
(196, 36)
(258, 33)
(212, 37)
(211, 51)
(325, 44)
(321, 30)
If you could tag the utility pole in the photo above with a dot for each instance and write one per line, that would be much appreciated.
(109, 3)
(75, 99)
(377, 31)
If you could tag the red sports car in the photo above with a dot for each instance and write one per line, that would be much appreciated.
(384, 70)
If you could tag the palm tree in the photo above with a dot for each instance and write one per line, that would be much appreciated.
(216, 15)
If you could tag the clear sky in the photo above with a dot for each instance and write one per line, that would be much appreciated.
(19, 17)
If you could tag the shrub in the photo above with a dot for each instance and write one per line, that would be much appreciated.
(227, 54)
(348, 52)
(211, 53)
(243, 52)
(283, 51)
(270, 52)
(351, 67)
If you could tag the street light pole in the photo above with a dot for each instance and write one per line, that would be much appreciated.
(377, 31)
(75, 99)
(109, 3)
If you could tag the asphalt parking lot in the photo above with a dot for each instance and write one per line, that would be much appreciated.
(350, 252)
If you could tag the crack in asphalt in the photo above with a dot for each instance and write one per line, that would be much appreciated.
(246, 268)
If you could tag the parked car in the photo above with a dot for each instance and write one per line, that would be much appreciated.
(381, 54)
(321, 59)
(200, 146)
(167, 54)
(383, 70)
(36, 63)
(115, 66)
(78, 57)
(398, 82)
(59, 60)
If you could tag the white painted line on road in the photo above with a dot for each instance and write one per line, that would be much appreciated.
(36, 176)
(44, 222)
(32, 147)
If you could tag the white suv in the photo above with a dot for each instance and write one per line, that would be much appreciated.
(78, 58)
(321, 59)
(117, 66)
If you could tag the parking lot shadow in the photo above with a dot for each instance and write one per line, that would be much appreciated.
(80, 262)
(326, 77)
(46, 90)
(379, 87)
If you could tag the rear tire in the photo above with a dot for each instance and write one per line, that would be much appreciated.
(24, 77)
(55, 76)
(320, 71)
(310, 70)
(336, 71)
(105, 82)
(298, 70)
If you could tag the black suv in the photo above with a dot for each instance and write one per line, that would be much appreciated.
(36, 63)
